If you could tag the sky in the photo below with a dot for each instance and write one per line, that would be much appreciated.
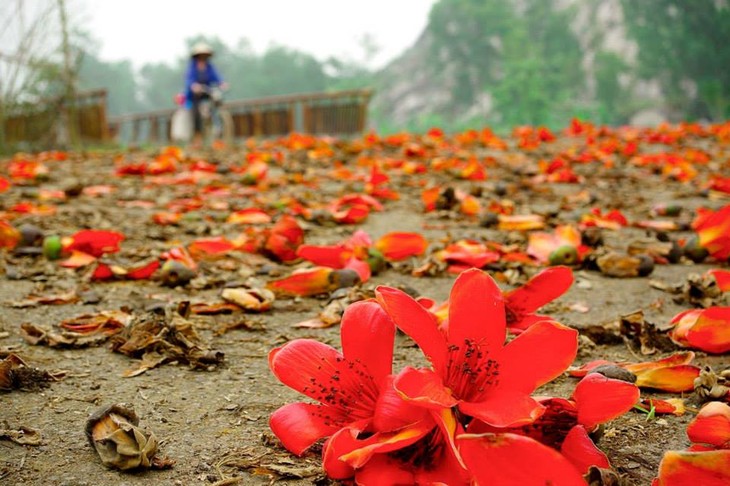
(155, 30)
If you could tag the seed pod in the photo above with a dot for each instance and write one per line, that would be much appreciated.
(112, 431)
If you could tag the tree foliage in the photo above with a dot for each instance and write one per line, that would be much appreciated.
(686, 46)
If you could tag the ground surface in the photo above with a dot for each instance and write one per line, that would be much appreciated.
(214, 423)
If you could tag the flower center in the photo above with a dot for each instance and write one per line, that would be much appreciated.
(470, 373)
(553, 426)
(346, 386)
(424, 454)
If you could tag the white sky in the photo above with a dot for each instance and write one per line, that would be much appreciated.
(155, 30)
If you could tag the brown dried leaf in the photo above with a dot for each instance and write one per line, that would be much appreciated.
(644, 335)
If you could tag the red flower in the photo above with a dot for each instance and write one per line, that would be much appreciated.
(284, 239)
(472, 368)
(349, 386)
(95, 242)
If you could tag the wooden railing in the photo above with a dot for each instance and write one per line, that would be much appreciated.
(48, 120)
(335, 113)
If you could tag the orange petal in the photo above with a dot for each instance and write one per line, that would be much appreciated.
(681, 468)
(682, 358)
(249, 216)
(398, 246)
(705, 329)
(722, 277)
(9, 236)
(675, 379)
(303, 282)
(78, 259)
(520, 222)
(210, 247)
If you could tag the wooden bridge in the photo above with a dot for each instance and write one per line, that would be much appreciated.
(332, 113)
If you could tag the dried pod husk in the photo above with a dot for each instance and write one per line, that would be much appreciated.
(667, 250)
(624, 266)
(112, 431)
(174, 273)
(602, 477)
(254, 300)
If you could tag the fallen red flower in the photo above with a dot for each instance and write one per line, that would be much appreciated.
(472, 367)
(349, 386)
(704, 329)
(713, 230)
(284, 239)
(95, 242)
(4, 184)
(566, 424)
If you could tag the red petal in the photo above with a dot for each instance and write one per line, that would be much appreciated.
(680, 468)
(580, 450)
(360, 267)
(600, 399)
(476, 311)
(392, 411)
(416, 322)
(303, 282)
(143, 272)
(538, 355)
(382, 470)
(424, 387)
(299, 425)
(515, 460)
(367, 334)
(711, 426)
(321, 373)
(400, 246)
(327, 256)
(102, 272)
(544, 287)
(505, 408)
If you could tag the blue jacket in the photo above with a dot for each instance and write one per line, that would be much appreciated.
(209, 77)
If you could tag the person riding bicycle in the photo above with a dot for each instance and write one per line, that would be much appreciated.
(201, 75)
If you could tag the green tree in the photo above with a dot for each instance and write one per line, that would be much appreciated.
(116, 77)
(683, 42)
